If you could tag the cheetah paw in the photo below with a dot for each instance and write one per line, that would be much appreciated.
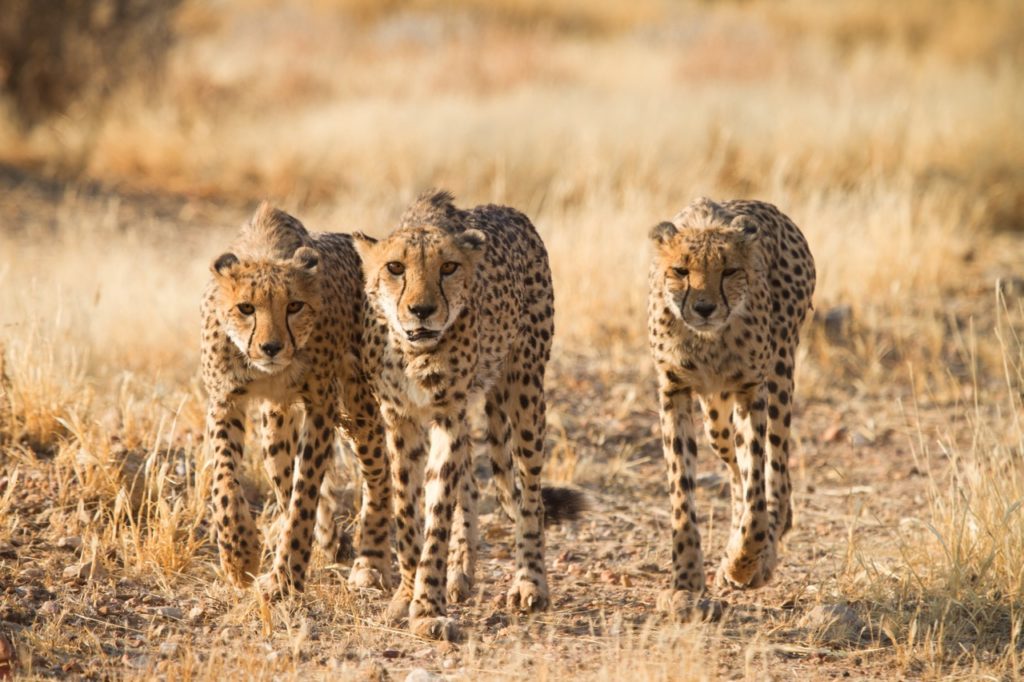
(526, 595)
(460, 587)
(685, 606)
(240, 571)
(364, 575)
(273, 585)
(435, 627)
(746, 572)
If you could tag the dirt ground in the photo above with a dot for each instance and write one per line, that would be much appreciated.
(78, 597)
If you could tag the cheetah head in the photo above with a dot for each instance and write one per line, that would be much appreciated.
(421, 279)
(268, 307)
(705, 259)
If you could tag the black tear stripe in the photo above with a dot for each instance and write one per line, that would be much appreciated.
(288, 326)
(401, 294)
(248, 346)
(444, 297)
(682, 306)
(721, 291)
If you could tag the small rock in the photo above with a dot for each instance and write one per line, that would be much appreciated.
(88, 570)
(70, 542)
(836, 623)
(861, 439)
(172, 612)
(33, 573)
(196, 612)
(422, 675)
(608, 576)
(710, 480)
(49, 608)
(391, 653)
(169, 649)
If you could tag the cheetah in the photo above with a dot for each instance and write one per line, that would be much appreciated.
(460, 310)
(730, 286)
(281, 326)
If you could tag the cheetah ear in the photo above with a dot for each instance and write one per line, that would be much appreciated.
(662, 232)
(472, 240)
(306, 258)
(746, 226)
(224, 263)
(363, 244)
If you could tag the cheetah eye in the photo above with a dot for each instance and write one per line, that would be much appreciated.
(728, 272)
(681, 272)
(395, 268)
(449, 267)
(246, 308)
(296, 306)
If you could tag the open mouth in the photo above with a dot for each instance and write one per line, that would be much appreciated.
(421, 334)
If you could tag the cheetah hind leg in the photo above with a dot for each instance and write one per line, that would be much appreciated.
(751, 553)
(463, 549)
(333, 517)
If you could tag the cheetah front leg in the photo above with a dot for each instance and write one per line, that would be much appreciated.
(529, 590)
(464, 541)
(407, 455)
(280, 439)
(446, 462)
(780, 411)
(295, 544)
(680, 450)
(363, 425)
(237, 540)
(719, 424)
(750, 555)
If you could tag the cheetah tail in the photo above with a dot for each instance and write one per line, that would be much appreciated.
(560, 504)
(563, 504)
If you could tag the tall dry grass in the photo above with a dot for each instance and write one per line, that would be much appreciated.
(948, 590)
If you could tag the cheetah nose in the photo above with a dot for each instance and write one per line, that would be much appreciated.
(422, 311)
(704, 309)
(271, 348)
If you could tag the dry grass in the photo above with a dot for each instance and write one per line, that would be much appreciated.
(890, 135)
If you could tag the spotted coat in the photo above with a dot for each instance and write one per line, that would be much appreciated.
(282, 325)
(730, 285)
(460, 308)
